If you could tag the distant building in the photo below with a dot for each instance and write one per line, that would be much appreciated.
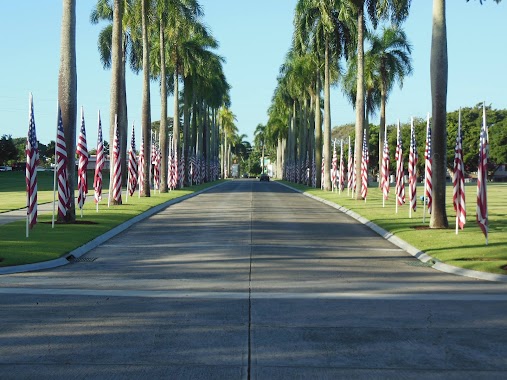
(93, 159)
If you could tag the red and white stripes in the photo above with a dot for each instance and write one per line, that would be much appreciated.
(82, 152)
(458, 181)
(32, 160)
(482, 176)
(412, 170)
(116, 164)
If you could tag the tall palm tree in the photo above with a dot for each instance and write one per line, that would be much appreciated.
(119, 14)
(146, 105)
(327, 25)
(260, 141)
(376, 10)
(391, 51)
(227, 119)
(67, 93)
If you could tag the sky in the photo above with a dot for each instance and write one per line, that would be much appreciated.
(254, 37)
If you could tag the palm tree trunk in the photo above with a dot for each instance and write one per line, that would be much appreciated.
(438, 68)
(122, 114)
(116, 79)
(318, 133)
(176, 118)
(146, 105)
(67, 94)
(359, 98)
(186, 122)
(163, 111)
(327, 121)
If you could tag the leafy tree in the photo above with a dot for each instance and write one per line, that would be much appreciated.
(8, 150)
(375, 11)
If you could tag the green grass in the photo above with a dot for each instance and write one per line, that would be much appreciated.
(46, 243)
(13, 188)
(465, 250)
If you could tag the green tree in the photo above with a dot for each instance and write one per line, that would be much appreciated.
(391, 51)
(327, 25)
(375, 11)
(8, 151)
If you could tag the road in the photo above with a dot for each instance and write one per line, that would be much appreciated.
(250, 280)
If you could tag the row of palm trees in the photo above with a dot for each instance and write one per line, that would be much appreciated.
(329, 34)
(326, 34)
(167, 41)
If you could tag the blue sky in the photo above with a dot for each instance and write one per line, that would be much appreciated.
(254, 37)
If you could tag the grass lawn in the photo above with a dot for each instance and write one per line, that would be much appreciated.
(465, 250)
(45, 243)
(13, 188)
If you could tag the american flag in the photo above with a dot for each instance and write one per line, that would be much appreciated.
(458, 180)
(349, 169)
(384, 176)
(61, 168)
(341, 179)
(82, 152)
(116, 164)
(140, 167)
(482, 176)
(428, 157)
(99, 165)
(180, 165)
(365, 159)
(334, 167)
(32, 160)
(322, 174)
(314, 172)
(170, 165)
(400, 179)
(156, 168)
(132, 183)
(412, 169)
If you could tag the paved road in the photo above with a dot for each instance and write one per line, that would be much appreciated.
(250, 280)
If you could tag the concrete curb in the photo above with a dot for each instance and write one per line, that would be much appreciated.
(420, 255)
(80, 251)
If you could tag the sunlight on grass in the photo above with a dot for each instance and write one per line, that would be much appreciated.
(466, 250)
(46, 243)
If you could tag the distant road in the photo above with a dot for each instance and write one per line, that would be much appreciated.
(250, 280)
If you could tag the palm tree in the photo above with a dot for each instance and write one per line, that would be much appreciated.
(146, 105)
(67, 93)
(227, 119)
(396, 11)
(326, 25)
(260, 141)
(391, 51)
(372, 85)
(114, 44)
(438, 73)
